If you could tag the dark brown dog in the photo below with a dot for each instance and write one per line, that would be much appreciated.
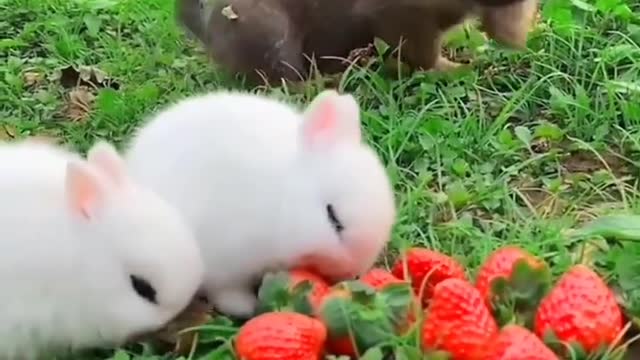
(510, 24)
(276, 39)
(421, 24)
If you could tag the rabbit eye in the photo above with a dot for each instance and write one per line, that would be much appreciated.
(143, 288)
(337, 225)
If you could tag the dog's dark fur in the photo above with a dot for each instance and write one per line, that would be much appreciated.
(278, 37)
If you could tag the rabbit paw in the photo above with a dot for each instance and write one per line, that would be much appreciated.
(240, 303)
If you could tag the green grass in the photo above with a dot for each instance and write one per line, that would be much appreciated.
(518, 149)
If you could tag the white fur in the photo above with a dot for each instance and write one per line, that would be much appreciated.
(65, 262)
(255, 185)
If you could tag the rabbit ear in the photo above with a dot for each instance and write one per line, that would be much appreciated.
(105, 157)
(83, 189)
(331, 118)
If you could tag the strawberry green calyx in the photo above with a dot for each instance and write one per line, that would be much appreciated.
(515, 299)
(359, 318)
(575, 351)
(277, 294)
(400, 302)
(512, 282)
(360, 292)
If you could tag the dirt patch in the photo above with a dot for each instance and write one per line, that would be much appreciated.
(88, 76)
(7, 132)
(170, 339)
(387, 258)
(535, 197)
(82, 85)
(46, 138)
(587, 162)
(362, 56)
(32, 78)
(633, 353)
(79, 104)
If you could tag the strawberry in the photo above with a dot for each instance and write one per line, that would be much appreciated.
(457, 320)
(581, 309)
(359, 317)
(319, 287)
(500, 264)
(294, 290)
(340, 341)
(426, 269)
(337, 291)
(343, 345)
(282, 336)
(512, 282)
(515, 342)
(379, 278)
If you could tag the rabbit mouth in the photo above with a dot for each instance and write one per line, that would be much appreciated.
(194, 314)
(330, 268)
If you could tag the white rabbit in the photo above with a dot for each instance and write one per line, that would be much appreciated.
(267, 186)
(87, 257)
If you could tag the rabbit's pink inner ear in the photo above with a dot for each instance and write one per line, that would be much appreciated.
(106, 158)
(83, 189)
(323, 119)
(350, 118)
(332, 118)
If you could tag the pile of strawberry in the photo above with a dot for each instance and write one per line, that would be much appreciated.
(511, 312)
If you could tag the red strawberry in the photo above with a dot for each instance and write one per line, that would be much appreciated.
(458, 321)
(342, 346)
(337, 344)
(428, 267)
(500, 264)
(281, 336)
(359, 317)
(379, 278)
(336, 291)
(580, 308)
(513, 282)
(320, 288)
(515, 342)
